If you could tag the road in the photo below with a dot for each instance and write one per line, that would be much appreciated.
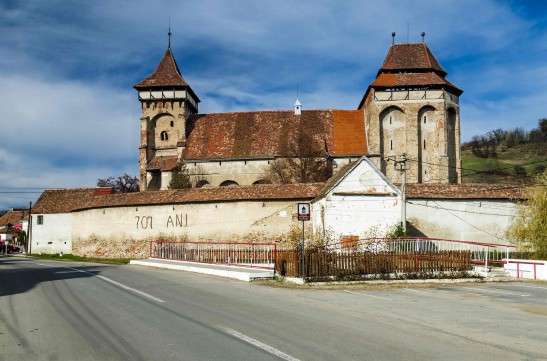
(74, 311)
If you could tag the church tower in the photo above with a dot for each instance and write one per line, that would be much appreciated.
(166, 102)
(411, 108)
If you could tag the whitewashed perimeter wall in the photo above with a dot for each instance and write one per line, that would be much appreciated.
(227, 221)
(54, 235)
(362, 216)
(350, 209)
(469, 220)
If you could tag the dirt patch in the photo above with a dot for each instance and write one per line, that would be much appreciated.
(536, 310)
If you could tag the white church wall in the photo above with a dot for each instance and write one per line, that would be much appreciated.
(462, 219)
(244, 172)
(53, 235)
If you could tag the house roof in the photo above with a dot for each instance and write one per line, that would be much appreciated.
(199, 195)
(405, 57)
(10, 230)
(14, 217)
(65, 200)
(464, 191)
(162, 163)
(266, 134)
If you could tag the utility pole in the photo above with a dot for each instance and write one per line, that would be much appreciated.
(28, 248)
(401, 166)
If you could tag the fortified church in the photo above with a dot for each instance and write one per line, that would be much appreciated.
(410, 108)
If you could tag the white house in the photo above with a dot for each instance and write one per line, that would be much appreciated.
(51, 220)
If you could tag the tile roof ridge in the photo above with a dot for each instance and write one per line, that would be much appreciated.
(272, 111)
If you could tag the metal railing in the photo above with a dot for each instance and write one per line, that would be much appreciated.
(254, 255)
(481, 253)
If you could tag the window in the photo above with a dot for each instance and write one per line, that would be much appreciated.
(425, 119)
(391, 144)
(40, 219)
(390, 119)
(424, 143)
(172, 123)
(164, 135)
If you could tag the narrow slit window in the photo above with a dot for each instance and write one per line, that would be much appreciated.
(391, 144)
(424, 143)
(172, 123)
(390, 119)
(425, 119)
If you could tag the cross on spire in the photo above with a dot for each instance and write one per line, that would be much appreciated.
(169, 35)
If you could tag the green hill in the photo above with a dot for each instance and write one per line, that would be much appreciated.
(514, 165)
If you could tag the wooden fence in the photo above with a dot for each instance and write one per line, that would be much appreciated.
(323, 263)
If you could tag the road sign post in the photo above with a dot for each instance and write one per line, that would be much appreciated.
(303, 215)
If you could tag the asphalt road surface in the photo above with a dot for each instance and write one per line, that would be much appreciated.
(74, 311)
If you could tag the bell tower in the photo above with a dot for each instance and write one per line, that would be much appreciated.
(166, 102)
(411, 108)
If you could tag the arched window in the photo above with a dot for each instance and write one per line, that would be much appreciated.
(202, 183)
(229, 183)
(164, 136)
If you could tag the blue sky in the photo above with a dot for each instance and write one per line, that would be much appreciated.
(70, 114)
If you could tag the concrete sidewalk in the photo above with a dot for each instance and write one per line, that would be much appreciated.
(240, 273)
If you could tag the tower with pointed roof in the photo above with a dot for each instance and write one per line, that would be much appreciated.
(166, 102)
(411, 108)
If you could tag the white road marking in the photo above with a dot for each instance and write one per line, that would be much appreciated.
(364, 294)
(121, 285)
(500, 292)
(260, 345)
(539, 288)
(411, 290)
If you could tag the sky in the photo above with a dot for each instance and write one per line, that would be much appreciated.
(69, 114)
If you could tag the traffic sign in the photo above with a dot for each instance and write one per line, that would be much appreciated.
(304, 211)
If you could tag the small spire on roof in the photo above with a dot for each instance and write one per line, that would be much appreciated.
(297, 107)
(169, 35)
(423, 37)
(393, 38)
(297, 104)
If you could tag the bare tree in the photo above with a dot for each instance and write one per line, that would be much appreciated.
(199, 177)
(121, 184)
(304, 161)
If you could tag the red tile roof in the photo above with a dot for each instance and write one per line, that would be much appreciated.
(167, 74)
(165, 163)
(14, 217)
(408, 66)
(404, 57)
(265, 134)
(464, 191)
(388, 80)
(199, 195)
(65, 200)
(349, 133)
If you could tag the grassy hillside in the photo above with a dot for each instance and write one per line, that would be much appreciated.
(511, 165)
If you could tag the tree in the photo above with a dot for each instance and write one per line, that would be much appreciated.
(180, 177)
(304, 161)
(23, 239)
(542, 125)
(529, 229)
(121, 184)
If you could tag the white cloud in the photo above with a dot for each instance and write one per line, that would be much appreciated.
(70, 116)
